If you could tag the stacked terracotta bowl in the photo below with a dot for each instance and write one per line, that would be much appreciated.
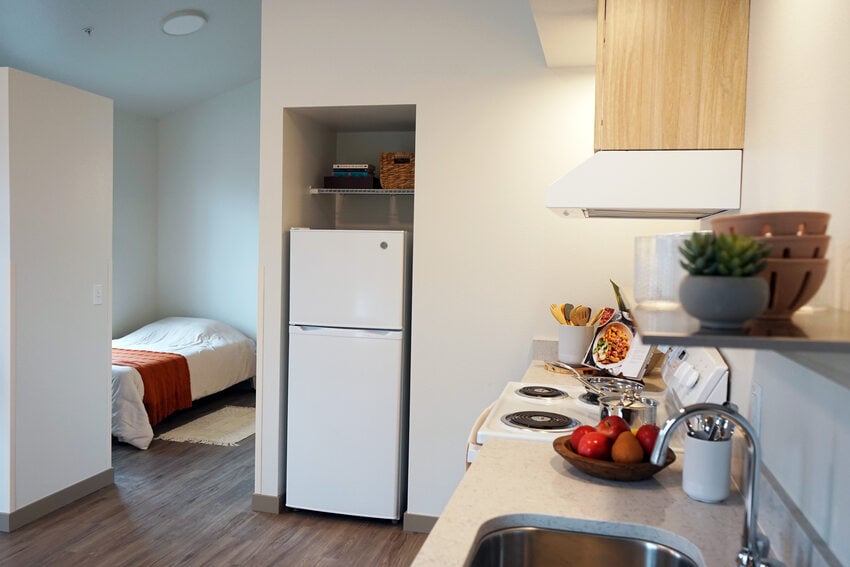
(796, 266)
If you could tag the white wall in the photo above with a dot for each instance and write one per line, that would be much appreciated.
(5, 302)
(797, 122)
(494, 127)
(207, 210)
(797, 135)
(134, 227)
(61, 246)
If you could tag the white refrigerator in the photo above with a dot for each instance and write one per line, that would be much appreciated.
(347, 395)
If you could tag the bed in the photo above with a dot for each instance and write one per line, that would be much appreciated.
(217, 356)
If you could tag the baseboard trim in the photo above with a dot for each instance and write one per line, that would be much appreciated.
(267, 504)
(419, 523)
(40, 508)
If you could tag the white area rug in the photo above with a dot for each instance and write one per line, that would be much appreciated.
(227, 427)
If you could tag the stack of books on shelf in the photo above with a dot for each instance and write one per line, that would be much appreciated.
(352, 176)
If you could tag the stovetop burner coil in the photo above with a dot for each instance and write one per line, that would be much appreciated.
(539, 420)
(541, 392)
(589, 398)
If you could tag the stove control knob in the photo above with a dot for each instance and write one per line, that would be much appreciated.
(691, 378)
(682, 371)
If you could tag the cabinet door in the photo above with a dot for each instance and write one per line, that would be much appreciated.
(671, 74)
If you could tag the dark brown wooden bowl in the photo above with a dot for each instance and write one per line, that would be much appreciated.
(609, 470)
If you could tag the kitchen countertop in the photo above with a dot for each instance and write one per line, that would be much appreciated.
(516, 483)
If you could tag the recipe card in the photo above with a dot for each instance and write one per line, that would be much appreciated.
(617, 349)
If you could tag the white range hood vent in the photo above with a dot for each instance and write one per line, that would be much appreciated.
(659, 184)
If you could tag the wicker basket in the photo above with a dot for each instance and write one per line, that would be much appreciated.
(397, 169)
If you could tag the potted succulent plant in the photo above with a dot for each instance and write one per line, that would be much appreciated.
(721, 288)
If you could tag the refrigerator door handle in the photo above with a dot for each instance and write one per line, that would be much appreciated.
(307, 328)
(391, 334)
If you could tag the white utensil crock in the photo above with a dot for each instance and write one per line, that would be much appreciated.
(706, 471)
(573, 342)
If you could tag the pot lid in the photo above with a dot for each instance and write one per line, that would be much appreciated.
(613, 385)
(627, 401)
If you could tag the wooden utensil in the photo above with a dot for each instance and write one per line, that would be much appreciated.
(557, 313)
(555, 369)
(580, 315)
(566, 308)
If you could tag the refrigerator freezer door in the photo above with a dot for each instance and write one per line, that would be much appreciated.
(344, 422)
(347, 278)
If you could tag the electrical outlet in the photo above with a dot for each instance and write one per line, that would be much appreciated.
(755, 407)
(97, 294)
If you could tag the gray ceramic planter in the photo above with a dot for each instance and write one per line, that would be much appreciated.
(721, 302)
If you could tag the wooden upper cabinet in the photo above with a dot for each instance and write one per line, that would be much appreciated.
(671, 74)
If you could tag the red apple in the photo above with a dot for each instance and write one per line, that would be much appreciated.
(578, 434)
(646, 436)
(595, 445)
(612, 426)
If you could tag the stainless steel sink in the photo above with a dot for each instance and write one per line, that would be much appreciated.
(537, 547)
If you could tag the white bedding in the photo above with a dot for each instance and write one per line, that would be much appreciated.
(218, 356)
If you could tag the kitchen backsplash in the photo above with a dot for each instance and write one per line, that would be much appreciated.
(792, 537)
(544, 349)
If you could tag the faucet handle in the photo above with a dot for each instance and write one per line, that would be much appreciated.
(763, 546)
(758, 557)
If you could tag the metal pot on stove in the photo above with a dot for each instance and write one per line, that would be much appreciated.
(601, 386)
(617, 396)
(635, 409)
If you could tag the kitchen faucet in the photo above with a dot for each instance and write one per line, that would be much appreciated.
(755, 547)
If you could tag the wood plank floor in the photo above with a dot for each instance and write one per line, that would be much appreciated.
(190, 504)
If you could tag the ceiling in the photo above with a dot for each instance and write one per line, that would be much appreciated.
(127, 57)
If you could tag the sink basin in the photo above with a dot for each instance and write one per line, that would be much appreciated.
(531, 546)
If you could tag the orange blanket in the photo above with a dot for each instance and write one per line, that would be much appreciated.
(166, 379)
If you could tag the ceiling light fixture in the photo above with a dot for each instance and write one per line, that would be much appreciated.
(184, 22)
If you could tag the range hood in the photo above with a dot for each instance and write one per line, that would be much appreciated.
(660, 184)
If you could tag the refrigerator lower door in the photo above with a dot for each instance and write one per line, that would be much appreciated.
(344, 421)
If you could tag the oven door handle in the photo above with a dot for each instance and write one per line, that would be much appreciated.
(472, 445)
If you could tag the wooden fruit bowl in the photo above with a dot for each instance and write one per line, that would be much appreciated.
(609, 470)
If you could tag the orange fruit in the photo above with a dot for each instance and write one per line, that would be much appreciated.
(626, 449)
